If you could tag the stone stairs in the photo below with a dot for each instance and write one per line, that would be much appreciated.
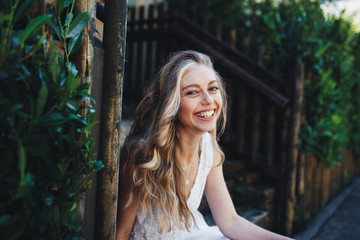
(252, 197)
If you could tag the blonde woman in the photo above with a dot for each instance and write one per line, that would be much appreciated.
(171, 157)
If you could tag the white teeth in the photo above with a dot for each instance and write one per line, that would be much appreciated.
(206, 114)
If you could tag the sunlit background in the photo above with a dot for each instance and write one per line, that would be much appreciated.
(351, 8)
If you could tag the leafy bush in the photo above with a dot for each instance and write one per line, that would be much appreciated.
(46, 149)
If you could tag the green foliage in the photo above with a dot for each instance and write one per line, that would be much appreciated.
(297, 31)
(46, 149)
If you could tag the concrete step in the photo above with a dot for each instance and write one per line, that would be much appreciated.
(241, 178)
(232, 166)
(256, 216)
(259, 196)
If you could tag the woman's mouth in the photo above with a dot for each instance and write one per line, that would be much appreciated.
(206, 114)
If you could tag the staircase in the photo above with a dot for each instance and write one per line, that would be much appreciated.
(252, 197)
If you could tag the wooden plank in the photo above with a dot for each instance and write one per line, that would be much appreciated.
(139, 54)
(130, 71)
(208, 34)
(293, 137)
(255, 129)
(240, 112)
(325, 189)
(107, 187)
(309, 162)
(149, 48)
(96, 92)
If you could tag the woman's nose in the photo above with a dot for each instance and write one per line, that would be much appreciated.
(207, 99)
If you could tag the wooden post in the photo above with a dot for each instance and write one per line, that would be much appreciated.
(107, 187)
(240, 111)
(83, 60)
(292, 152)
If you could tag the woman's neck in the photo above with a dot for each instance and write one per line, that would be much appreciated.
(189, 146)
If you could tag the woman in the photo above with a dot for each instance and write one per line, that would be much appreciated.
(171, 156)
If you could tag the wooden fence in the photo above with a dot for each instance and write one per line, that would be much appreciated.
(258, 121)
(317, 185)
(250, 132)
(265, 112)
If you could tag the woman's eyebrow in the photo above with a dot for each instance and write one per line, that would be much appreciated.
(197, 85)
(213, 81)
(189, 86)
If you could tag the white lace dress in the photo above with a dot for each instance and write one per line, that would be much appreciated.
(147, 228)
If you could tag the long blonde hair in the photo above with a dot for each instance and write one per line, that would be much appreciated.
(158, 181)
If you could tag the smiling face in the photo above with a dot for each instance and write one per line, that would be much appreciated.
(201, 100)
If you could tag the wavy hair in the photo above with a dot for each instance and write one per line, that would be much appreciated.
(158, 182)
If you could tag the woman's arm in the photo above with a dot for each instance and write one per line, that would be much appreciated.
(230, 224)
(126, 216)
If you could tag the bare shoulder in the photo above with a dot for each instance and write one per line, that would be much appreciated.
(217, 158)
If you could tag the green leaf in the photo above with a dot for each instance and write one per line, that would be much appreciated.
(54, 67)
(73, 207)
(26, 188)
(72, 69)
(57, 32)
(43, 75)
(78, 24)
(63, 4)
(68, 2)
(41, 101)
(60, 6)
(22, 161)
(23, 9)
(68, 19)
(52, 119)
(72, 82)
(60, 61)
(78, 117)
(90, 125)
(34, 26)
(56, 214)
(5, 220)
(98, 166)
(75, 43)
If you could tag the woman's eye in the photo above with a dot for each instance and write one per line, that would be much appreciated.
(214, 89)
(191, 93)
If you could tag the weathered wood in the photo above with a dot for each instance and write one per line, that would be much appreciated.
(139, 77)
(100, 11)
(280, 207)
(255, 129)
(240, 111)
(81, 58)
(268, 158)
(292, 150)
(149, 49)
(114, 45)
(84, 60)
(325, 188)
(233, 38)
(130, 71)
(206, 35)
(96, 92)
(308, 192)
